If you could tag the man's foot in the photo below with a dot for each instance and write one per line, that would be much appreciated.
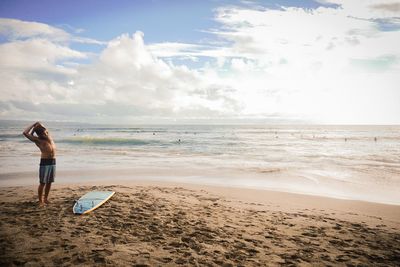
(47, 202)
(41, 204)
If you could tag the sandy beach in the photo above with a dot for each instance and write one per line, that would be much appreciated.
(166, 224)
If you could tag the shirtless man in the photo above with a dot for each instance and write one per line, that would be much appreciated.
(47, 169)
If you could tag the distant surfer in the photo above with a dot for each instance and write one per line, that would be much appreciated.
(47, 169)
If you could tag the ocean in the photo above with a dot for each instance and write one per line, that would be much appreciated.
(349, 162)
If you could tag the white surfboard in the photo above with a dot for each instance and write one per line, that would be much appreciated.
(91, 201)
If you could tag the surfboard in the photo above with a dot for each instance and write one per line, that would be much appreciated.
(91, 201)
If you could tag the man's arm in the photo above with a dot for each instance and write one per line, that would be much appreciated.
(28, 132)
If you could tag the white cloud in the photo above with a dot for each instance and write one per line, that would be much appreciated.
(128, 73)
(168, 49)
(306, 59)
(369, 9)
(32, 65)
(36, 55)
(17, 29)
(335, 65)
(126, 80)
(392, 7)
(34, 62)
(14, 29)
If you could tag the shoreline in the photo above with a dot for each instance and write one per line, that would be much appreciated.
(274, 198)
(209, 178)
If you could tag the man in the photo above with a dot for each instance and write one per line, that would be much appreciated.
(47, 169)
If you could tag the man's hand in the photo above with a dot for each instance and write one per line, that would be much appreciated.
(37, 124)
(27, 132)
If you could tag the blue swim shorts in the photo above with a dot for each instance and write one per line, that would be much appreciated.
(47, 171)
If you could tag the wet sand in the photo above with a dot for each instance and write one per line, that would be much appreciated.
(160, 224)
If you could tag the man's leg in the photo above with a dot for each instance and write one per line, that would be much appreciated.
(40, 193)
(46, 192)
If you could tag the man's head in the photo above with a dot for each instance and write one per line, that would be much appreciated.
(41, 132)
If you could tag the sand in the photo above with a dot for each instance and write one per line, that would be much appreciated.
(160, 224)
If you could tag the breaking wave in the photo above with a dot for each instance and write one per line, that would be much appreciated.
(111, 141)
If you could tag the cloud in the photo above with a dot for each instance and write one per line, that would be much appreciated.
(36, 54)
(126, 80)
(334, 64)
(127, 72)
(368, 9)
(36, 61)
(169, 49)
(300, 60)
(391, 7)
(16, 29)
(382, 63)
(32, 65)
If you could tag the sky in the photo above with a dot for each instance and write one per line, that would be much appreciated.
(212, 61)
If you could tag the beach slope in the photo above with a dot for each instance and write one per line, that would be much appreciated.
(166, 225)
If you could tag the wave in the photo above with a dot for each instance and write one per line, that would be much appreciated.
(112, 141)
(262, 170)
(11, 136)
(122, 130)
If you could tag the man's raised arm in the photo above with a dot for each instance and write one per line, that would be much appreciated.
(28, 132)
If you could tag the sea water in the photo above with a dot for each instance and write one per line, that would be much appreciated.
(352, 162)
